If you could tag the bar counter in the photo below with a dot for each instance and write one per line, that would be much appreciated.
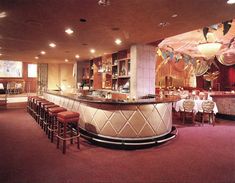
(140, 122)
(225, 102)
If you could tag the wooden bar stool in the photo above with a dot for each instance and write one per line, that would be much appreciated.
(38, 109)
(46, 117)
(42, 111)
(52, 120)
(35, 107)
(65, 132)
(30, 107)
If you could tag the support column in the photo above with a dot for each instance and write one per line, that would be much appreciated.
(142, 70)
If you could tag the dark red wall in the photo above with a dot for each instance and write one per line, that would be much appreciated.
(226, 79)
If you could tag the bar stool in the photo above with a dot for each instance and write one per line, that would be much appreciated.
(52, 120)
(65, 121)
(46, 116)
(42, 111)
(30, 104)
(29, 101)
(38, 109)
(35, 107)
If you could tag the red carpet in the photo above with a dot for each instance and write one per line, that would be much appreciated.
(198, 155)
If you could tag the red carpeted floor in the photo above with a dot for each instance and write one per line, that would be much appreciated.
(198, 155)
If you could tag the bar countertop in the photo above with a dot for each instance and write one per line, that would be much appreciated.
(99, 100)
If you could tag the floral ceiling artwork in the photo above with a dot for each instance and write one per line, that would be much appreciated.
(185, 47)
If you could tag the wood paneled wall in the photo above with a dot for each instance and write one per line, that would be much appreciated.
(29, 82)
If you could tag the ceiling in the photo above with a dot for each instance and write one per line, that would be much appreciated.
(30, 25)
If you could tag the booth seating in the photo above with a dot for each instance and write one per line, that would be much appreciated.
(65, 132)
(52, 120)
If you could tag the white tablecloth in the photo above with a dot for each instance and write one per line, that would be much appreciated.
(197, 108)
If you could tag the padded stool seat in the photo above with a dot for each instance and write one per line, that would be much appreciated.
(46, 107)
(65, 121)
(55, 110)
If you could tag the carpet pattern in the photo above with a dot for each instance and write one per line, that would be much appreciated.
(198, 155)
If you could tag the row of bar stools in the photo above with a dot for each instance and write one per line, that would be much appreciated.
(66, 120)
(55, 120)
(52, 120)
(30, 106)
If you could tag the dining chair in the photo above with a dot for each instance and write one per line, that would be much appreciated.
(188, 108)
(207, 109)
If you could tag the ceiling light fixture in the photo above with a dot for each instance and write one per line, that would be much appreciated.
(103, 2)
(174, 15)
(3, 14)
(77, 56)
(118, 41)
(210, 48)
(92, 50)
(43, 52)
(53, 45)
(230, 1)
(36, 57)
(83, 20)
(0, 54)
(66, 60)
(69, 31)
(163, 24)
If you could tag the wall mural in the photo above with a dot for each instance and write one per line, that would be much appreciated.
(11, 69)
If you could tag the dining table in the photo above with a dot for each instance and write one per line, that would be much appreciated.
(178, 106)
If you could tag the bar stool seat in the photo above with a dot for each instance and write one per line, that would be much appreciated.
(65, 121)
(52, 120)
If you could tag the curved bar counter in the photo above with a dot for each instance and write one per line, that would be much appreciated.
(141, 122)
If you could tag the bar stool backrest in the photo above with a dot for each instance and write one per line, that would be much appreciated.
(188, 105)
(208, 106)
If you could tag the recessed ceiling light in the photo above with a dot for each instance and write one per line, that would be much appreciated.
(174, 15)
(103, 2)
(92, 50)
(230, 1)
(69, 31)
(53, 45)
(163, 24)
(0, 54)
(115, 29)
(82, 20)
(77, 56)
(66, 60)
(118, 41)
(3, 14)
(43, 52)
(36, 57)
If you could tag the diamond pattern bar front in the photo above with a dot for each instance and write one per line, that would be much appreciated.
(127, 121)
